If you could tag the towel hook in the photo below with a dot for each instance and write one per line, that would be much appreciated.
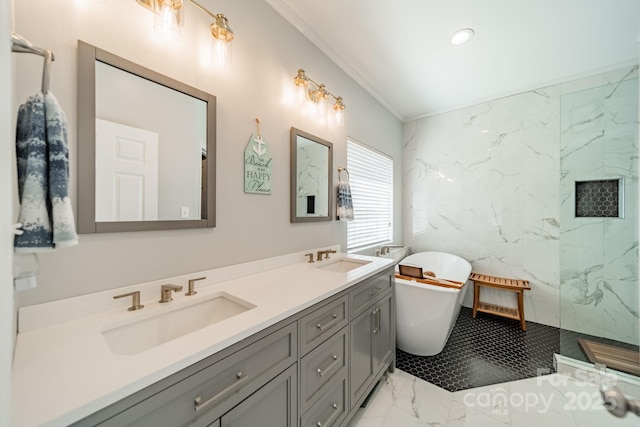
(340, 170)
(258, 127)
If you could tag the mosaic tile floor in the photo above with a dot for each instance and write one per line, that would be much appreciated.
(490, 350)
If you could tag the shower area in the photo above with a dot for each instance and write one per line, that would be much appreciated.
(543, 186)
(599, 287)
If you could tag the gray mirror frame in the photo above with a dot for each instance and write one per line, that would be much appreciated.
(294, 165)
(87, 56)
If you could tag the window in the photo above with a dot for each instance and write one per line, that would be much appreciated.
(371, 181)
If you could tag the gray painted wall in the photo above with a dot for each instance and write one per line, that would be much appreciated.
(267, 52)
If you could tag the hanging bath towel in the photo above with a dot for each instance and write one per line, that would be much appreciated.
(43, 176)
(344, 203)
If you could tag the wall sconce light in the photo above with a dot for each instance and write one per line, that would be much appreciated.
(168, 21)
(308, 91)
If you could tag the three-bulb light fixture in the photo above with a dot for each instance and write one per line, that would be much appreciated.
(310, 92)
(168, 22)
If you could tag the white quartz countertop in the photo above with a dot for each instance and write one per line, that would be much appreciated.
(63, 369)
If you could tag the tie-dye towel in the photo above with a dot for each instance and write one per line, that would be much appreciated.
(345, 202)
(43, 176)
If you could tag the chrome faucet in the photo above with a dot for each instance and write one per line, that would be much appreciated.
(165, 292)
(385, 248)
(325, 253)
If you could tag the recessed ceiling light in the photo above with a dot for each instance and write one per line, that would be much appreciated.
(461, 36)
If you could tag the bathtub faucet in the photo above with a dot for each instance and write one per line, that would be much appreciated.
(385, 249)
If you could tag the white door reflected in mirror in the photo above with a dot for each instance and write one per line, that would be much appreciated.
(126, 173)
(126, 182)
(178, 121)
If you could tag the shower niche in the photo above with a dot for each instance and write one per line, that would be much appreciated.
(601, 198)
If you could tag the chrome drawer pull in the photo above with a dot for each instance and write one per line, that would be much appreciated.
(374, 314)
(336, 412)
(328, 325)
(333, 363)
(378, 319)
(374, 291)
(241, 378)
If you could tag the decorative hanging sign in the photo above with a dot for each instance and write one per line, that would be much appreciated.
(257, 165)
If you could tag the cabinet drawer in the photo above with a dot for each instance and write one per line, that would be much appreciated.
(366, 293)
(320, 366)
(331, 409)
(317, 326)
(203, 397)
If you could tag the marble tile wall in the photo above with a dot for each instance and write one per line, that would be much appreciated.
(483, 182)
(599, 256)
(312, 179)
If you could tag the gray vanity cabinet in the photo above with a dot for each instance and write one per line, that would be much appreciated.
(384, 334)
(313, 369)
(372, 335)
(324, 363)
(272, 405)
(204, 392)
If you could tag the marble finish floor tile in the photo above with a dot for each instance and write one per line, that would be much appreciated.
(551, 400)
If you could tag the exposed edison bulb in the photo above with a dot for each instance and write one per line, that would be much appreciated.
(222, 53)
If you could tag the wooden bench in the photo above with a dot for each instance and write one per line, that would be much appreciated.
(512, 285)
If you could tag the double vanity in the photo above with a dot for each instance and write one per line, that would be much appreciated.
(278, 342)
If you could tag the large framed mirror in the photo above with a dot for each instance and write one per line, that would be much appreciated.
(146, 148)
(311, 177)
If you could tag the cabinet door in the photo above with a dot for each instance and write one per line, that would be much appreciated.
(275, 404)
(360, 358)
(383, 331)
(203, 397)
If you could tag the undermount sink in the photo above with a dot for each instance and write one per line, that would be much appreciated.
(149, 332)
(343, 265)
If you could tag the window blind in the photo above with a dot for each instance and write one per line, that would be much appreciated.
(371, 181)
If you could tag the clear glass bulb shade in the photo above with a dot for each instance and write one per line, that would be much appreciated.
(322, 106)
(168, 23)
(338, 115)
(301, 96)
(222, 53)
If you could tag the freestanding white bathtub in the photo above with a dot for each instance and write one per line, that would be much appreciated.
(425, 314)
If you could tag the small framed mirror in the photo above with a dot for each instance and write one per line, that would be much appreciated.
(311, 177)
(146, 148)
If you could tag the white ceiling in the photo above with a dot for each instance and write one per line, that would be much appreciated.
(399, 50)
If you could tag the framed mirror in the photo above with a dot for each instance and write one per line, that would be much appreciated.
(146, 148)
(311, 178)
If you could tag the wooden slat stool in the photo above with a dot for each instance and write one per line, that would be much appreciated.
(513, 285)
